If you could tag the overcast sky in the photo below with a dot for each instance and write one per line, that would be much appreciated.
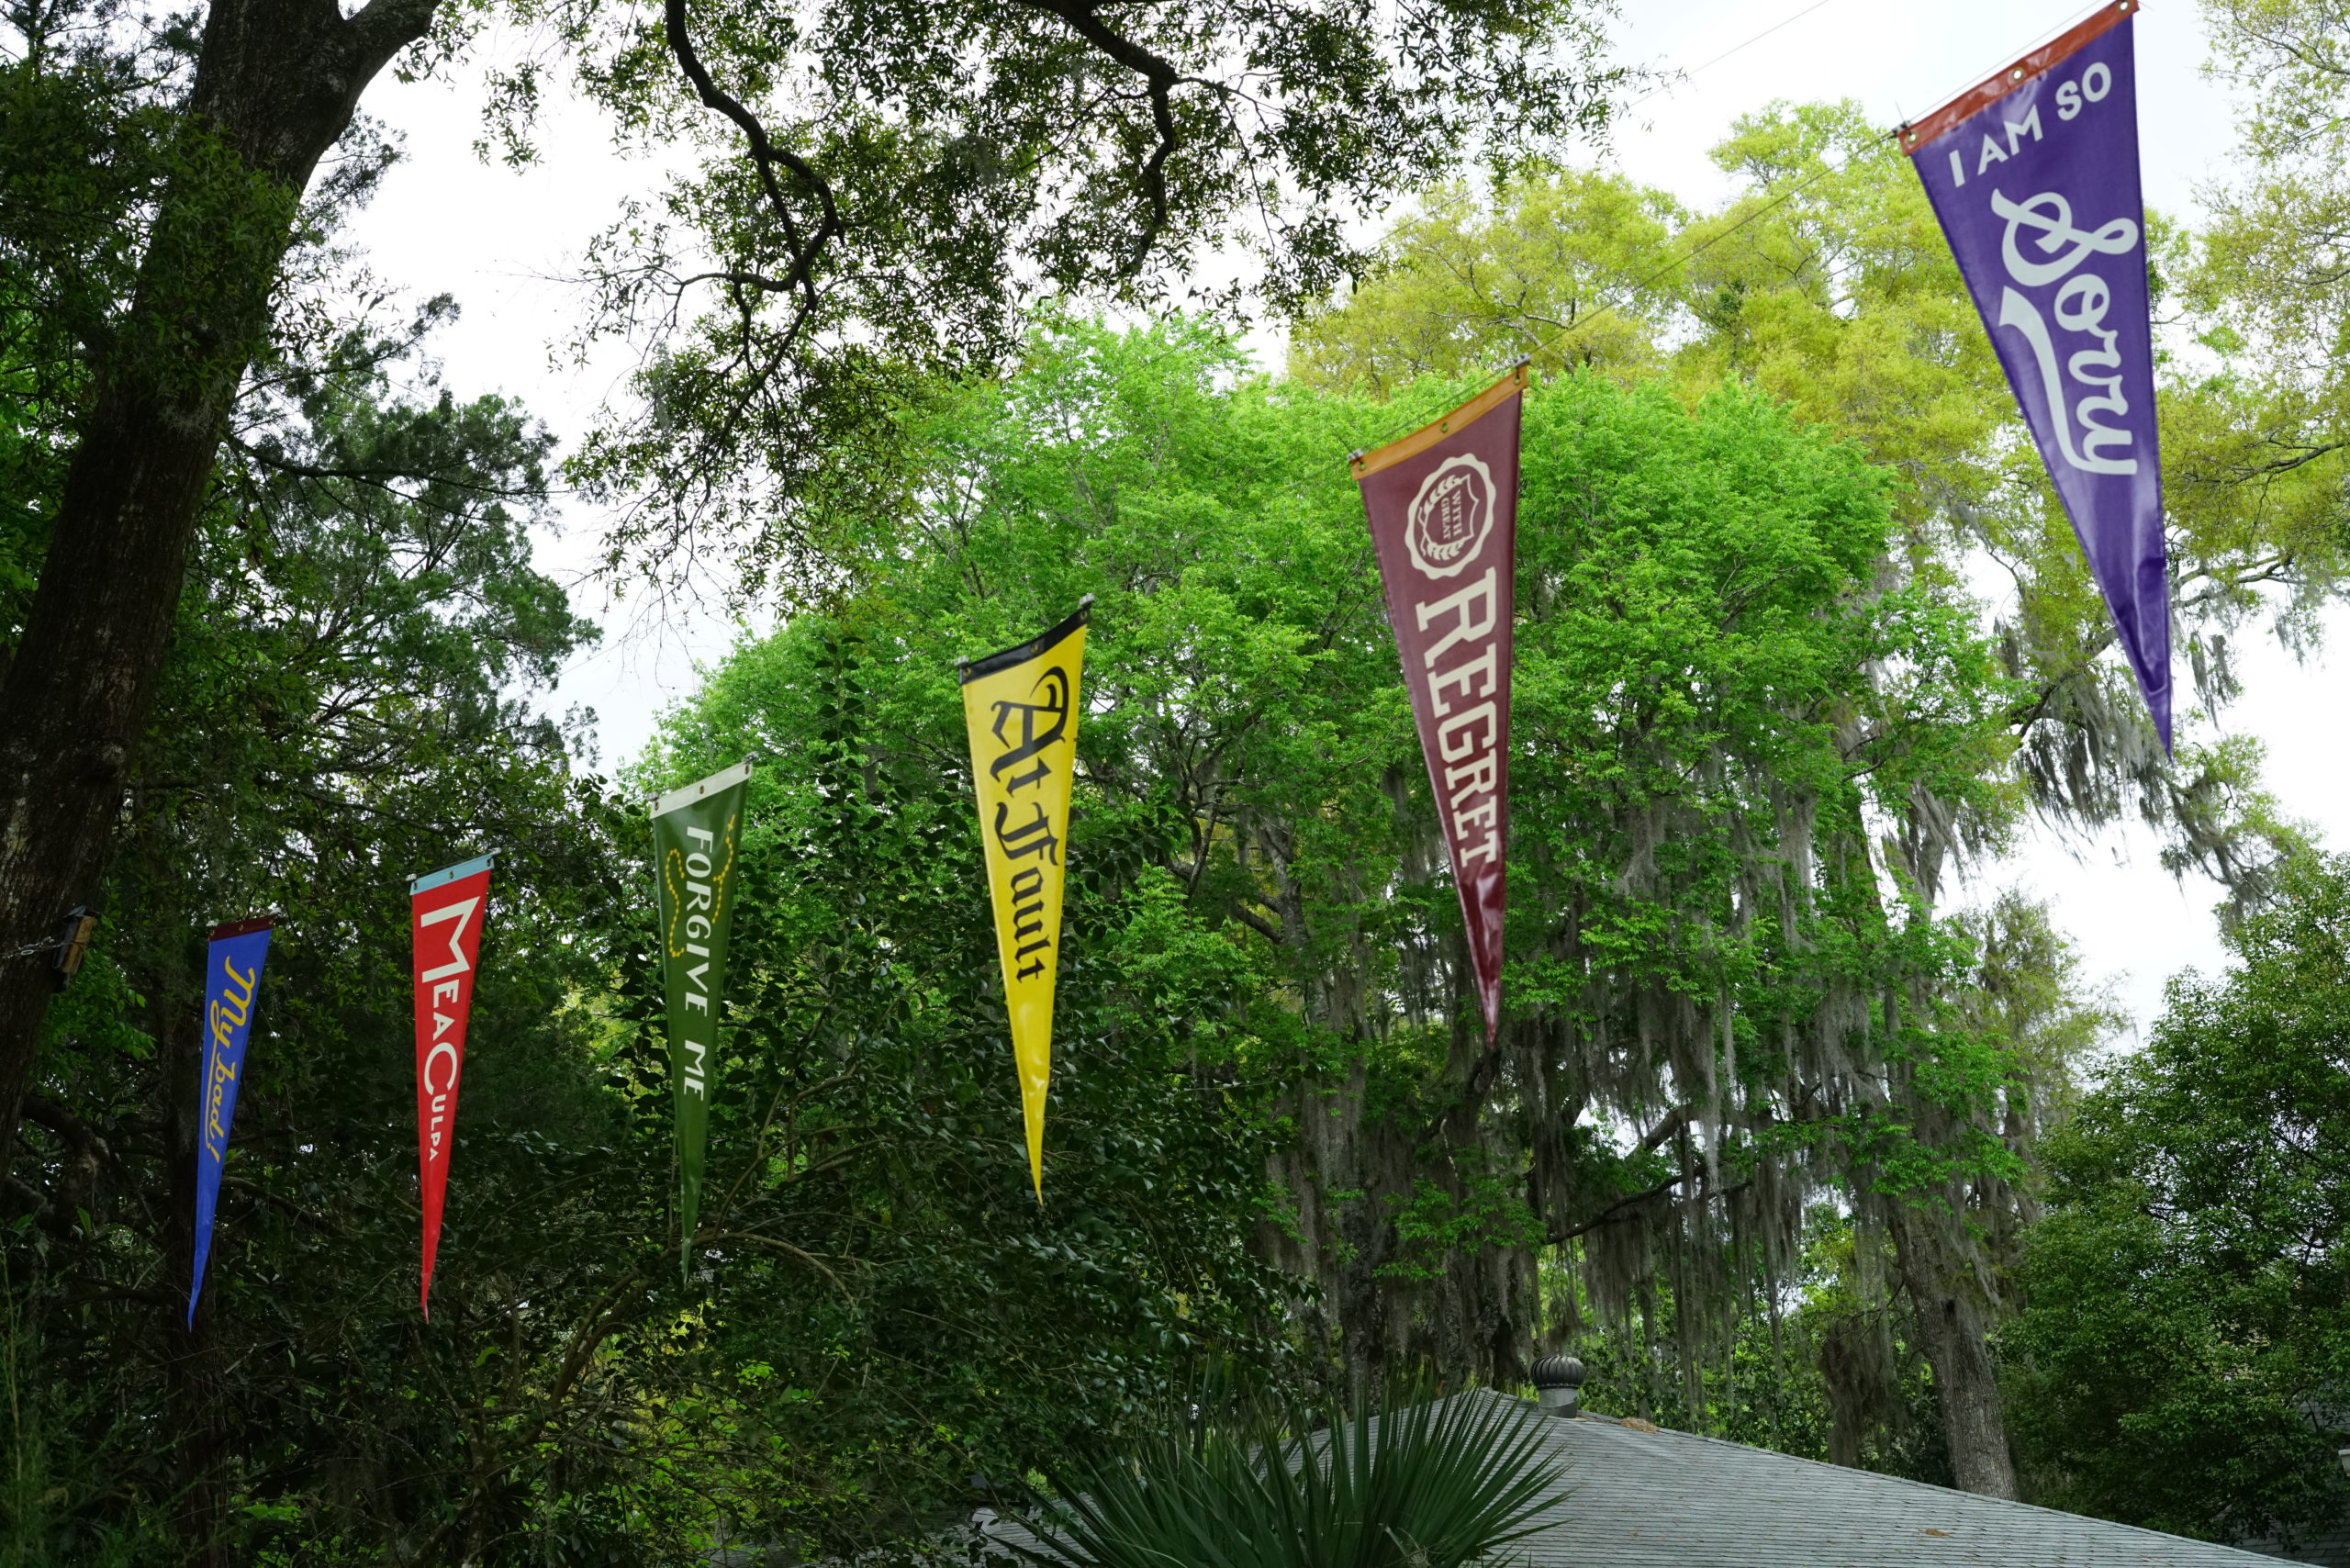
(502, 242)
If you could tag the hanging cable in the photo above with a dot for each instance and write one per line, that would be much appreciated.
(1725, 54)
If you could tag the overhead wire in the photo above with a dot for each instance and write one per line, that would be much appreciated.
(1757, 37)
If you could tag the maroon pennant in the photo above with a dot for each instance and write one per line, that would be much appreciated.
(1443, 509)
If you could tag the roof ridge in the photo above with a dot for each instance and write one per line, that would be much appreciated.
(1846, 1469)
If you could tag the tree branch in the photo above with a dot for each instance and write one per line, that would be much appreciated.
(384, 27)
(1256, 922)
(1612, 1214)
(765, 156)
(1162, 77)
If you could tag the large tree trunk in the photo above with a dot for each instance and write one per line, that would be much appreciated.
(277, 81)
(1953, 1324)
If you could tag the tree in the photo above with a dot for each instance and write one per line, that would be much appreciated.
(1569, 268)
(274, 85)
(1703, 954)
(1826, 283)
(1276, 1139)
(2264, 420)
(337, 692)
(1086, 144)
(2274, 276)
(883, 1313)
(2184, 1360)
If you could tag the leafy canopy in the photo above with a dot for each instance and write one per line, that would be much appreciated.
(882, 189)
(2184, 1363)
(1825, 282)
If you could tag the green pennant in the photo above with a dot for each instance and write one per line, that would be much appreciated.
(697, 836)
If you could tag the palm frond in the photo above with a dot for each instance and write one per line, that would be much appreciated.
(1414, 1482)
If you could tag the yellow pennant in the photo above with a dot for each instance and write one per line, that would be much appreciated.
(1021, 706)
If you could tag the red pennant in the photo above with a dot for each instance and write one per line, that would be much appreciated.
(446, 909)
(1443, 509)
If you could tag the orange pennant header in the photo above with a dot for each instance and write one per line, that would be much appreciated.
(1990, 91)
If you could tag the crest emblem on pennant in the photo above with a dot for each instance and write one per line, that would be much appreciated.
(1450, 516)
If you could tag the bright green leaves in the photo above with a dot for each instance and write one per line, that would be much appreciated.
(1573, 269)
(1719, 693)
(1825, 283)
(1699, 691)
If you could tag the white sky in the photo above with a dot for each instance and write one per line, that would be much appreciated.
(502, 241)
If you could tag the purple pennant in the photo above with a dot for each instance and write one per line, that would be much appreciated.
(2035, 176)
(232, 973)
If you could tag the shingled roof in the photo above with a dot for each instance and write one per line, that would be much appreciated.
(1633, 1496)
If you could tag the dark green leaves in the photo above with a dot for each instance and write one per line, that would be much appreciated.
(940, 169)
(1420, 1483)
(2185, 1361)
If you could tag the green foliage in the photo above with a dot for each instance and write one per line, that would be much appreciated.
(1418, 1481)
(2256, 428)
(2184, 1359)
(1757, 722)
(340, 711)
(1716, 685)
(1716, 688)
(79, 156)
(1570, 268)
(868, 1159)
(927, 173)
(1825, 283)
